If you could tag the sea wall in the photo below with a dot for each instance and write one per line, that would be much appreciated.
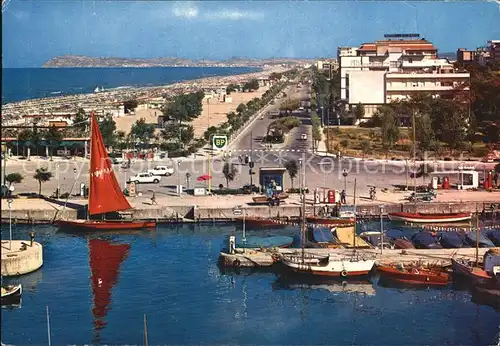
(197, 214)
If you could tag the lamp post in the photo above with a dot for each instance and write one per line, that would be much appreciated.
(345, 174)
(322, 164)
(9, 201)
(179, 178)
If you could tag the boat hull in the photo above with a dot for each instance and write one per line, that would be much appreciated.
(415, 277)
(106, 225)
(261, 223)
(329, 221)
(429, 218)
(477, 275)
(333, 267)
(11, 294)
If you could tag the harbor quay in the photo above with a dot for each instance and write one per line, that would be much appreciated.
(191, 209)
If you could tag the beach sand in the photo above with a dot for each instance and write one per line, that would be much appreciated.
(218, 113)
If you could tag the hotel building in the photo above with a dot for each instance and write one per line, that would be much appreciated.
(396, 68)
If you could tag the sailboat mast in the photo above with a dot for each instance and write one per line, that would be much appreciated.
(414, 155)
(90, 162)
(354, 237)
(477, 237)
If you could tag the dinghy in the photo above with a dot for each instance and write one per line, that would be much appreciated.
(450, 240)
(265, 242)
(11, 294)
(482, 241)
(429, 218)
(425, 240)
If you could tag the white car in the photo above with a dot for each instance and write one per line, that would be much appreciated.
(161, 170)
(145, 178)
(303, 136)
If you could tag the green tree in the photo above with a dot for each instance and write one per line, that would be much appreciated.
(425, 132)
(143, 131)
(187, 134)
(292, 168)
(251, 85)
(389, 127)
(108, 127)
(316, 132)
(365, 147)
(25, 136)
(359, 111)
(130, 105)
(14, 178)
(54, 137)
(229, 171)
(231, 88)
(42, 175)
(81, 121)
(275, 76)
(241, 108)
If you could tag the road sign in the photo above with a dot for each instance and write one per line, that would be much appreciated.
(219, 142)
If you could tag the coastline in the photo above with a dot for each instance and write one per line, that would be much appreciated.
(13, 112)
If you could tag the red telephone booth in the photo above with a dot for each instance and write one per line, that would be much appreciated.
(446, 183)
(331, 196)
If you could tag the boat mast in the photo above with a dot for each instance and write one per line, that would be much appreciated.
(354, 238)
(90, 162)
(477, 237)
(414, 157)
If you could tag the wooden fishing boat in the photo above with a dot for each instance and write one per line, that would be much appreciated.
(11, 293)
(321, 237)
(331, 221)
(327, 265)
(429, 217)
(105, 195)
(414, 275)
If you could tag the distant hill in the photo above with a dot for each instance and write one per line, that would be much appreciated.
(449, 56)
(86, 61)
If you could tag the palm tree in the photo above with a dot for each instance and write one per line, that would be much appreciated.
(229, 171)
(42, 175)
(292, 168)
(14, 178)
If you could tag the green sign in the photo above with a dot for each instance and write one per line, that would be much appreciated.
(219, 142)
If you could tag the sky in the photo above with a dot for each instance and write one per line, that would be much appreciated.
(35, 31)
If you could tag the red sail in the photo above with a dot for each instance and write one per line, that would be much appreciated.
(105, 194)
(105, 261)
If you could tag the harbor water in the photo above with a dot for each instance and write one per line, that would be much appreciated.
(98, 288)
(20, 84)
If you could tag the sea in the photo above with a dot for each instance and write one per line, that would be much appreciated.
(101, 288)
(20, 84)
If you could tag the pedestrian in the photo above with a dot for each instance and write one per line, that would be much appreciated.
(153, 199)
(495, 179)
(342, 197)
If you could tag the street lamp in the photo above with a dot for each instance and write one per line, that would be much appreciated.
(179, 178)
(345, 174)
(322, 164)
(9, 201)
(57, 173)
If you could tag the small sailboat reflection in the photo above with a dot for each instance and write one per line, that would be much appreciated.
(359, 286)
(105, 260)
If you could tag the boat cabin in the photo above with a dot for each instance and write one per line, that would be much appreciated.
(273, 176)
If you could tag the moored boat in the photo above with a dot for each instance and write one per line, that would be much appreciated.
(332, 221)
(425, 240)
(327, 265)
(414, 275)
(105, 194)
(321, 237)
(265, 242)
(480, 239)
(494, 236)
(264, 199)
(478, 274)
(261, 222)
(429, 217)
(450, 240)
(11, 293)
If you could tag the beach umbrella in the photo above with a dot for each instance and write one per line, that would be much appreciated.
(204, 177)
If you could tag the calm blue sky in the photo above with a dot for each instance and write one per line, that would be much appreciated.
(35, 31)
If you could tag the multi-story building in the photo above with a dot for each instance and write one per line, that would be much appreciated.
(327, 65)
(394, 69)
(482, 55)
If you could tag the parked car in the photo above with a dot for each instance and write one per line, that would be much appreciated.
(303, 136)
(161, 170)
(145, 178)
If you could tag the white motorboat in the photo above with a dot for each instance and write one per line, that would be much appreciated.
(11, 292)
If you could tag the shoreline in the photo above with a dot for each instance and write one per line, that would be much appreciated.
(15, 110)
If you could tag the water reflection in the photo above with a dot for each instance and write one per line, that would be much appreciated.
(105, 259)
(359, 286)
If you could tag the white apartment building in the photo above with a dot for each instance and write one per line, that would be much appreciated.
(391, 70)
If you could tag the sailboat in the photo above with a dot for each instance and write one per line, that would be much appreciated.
(105, 259)
(328, 265)
(105, 195)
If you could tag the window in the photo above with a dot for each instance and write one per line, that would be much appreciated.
(410, 60)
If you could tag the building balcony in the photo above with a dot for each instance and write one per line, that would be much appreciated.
(424, 88)
(433, 76)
